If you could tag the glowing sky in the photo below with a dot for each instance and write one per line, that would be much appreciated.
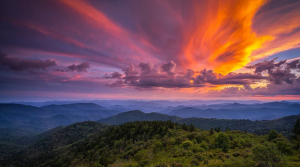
(158, 49)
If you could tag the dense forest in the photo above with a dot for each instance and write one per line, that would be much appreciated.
(158, 144)
(60, 135)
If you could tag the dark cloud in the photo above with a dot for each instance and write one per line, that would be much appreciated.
(282, 80)
(294, 64)
(113, 75)
(146, 68)
(165, 76)
(168, 67)
(80, 67)
(277, 73)
(19, 64)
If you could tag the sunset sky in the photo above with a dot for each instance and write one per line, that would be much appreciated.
(149, 49)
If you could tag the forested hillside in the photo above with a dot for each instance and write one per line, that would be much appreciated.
(282, 125)
(158, 144)
(137, 115)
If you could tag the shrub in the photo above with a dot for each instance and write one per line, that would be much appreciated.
(199, 157)
(186, 144)
(178, 140)
(205, 162)
(273, 135)
(204, 146)
(267, 155)
(196, 148)
(234, 143)
(157, 147)
(195, 162)
(284, 148)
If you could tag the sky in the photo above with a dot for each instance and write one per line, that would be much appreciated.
(158, 49)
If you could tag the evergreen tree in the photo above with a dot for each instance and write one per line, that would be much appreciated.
(296, 129)
(227, 129)
(211, 131)
(192, 128)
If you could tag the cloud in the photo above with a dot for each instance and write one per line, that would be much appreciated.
(278, 73)
(168, 67)
(113, 75)
(166, 76)
(20, 64)
(82, 67)
(282, 80)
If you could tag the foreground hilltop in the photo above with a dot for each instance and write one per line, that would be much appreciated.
(156, 143)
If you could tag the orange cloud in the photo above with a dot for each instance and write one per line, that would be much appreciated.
(224, 39)
(283, 24)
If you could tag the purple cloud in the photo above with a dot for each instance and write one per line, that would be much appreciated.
(165, 76)
(80, 67)
(278, 73)
(20, 64)
(113, 75)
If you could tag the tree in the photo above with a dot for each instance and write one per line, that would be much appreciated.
(235, 143)
(211, 131)
(218, 129)
(222, 141)
(267, 155)
(273, 135)
(296, 130)
(186, 144)
(227, 129)
(192, 128)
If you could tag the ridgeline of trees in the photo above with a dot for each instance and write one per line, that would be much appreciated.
(159, 144)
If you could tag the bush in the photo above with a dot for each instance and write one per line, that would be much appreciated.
(178, 140)
(284, 148)
(186, 144)
(195, 162)
(234, 143)
(273, 135)
(267, 155)
(196, 148)
(204, 146)
(157, 147)
(199, 157)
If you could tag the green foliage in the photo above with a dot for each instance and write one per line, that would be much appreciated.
(186, 144)
(235, 143)
(222, 141)
(267, 155)
(273, 135)
(284, 147)
(281, 125)
(296, 129)
(157, 147)
(156, 144)
(204, 146)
